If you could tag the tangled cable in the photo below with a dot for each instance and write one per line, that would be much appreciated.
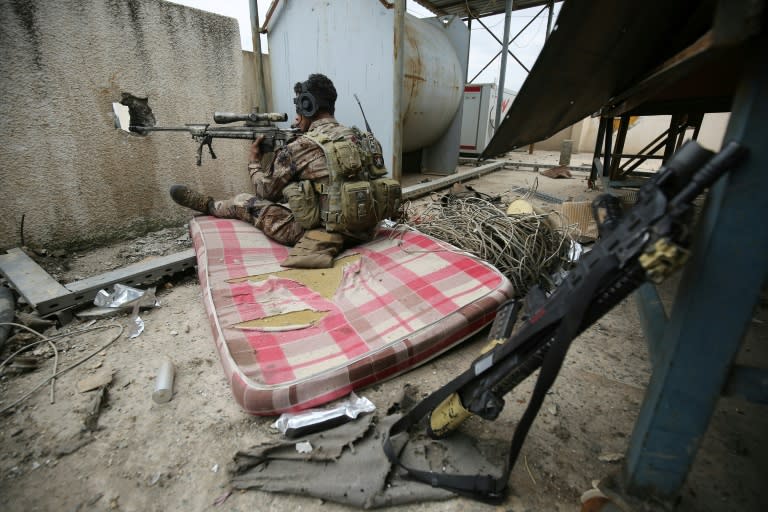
(525, 248)
(56, 372)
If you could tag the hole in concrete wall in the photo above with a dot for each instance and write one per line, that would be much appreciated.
(133, 113)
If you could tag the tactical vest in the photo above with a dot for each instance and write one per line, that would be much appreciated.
(357, 196)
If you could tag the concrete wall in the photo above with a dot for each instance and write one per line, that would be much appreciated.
(76, 179)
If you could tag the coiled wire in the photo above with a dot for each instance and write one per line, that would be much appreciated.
(526, 248)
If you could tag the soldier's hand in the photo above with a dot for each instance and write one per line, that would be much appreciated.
(255, 155)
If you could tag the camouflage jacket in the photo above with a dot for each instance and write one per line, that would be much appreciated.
(302, 159)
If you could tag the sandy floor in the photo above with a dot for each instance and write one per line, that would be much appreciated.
(147, 457)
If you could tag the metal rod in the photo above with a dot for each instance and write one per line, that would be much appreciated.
(621, 137)
(397, 89)
(551, 7)
(596, 155)
(503, 71)
(608, 144)
(489, 63)
(511, 40)
(254, 8)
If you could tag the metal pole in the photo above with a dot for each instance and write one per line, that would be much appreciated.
(254, 9)
(551, 7)
(397, 89)
(503, 72)
(469, 29)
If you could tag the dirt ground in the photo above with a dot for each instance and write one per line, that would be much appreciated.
(146, 456)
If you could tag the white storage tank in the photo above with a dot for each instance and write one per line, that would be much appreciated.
(432, 84)
(408, 72)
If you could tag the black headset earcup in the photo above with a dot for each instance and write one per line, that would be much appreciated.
(306, 105)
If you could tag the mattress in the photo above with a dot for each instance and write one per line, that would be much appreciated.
(290, 339)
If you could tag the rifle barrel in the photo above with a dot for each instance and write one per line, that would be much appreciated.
(158, 128)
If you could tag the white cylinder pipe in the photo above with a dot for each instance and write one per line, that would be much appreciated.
(164, 382)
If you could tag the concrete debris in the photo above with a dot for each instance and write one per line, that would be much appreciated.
(96, 380)
(611, 457)
(559, 172)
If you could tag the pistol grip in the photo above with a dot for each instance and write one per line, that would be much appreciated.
(267, 145)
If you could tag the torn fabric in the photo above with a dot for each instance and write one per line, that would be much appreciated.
(347, 465)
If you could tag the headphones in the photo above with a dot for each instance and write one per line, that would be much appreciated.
(306, 104)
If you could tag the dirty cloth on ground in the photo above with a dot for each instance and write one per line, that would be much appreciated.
(347, 465)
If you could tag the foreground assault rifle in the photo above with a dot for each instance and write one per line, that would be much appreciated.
(255, 125)
(649, 242)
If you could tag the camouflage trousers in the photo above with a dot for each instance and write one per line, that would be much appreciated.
(274, 220)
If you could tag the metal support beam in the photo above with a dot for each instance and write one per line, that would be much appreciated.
(510, 41)
(597, 169)
(653, 318)
(712, 311)
(608, 144)
(260, 82)
(422, 189)
(503, 72)
(47, 296)
(551, 7)
(397, 89)
(618, 148)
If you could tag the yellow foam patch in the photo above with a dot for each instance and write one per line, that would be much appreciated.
(323, 281)
(283, 321)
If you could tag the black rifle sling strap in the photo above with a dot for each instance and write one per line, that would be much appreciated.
(486, 487)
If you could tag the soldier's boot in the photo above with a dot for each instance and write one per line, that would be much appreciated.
(245, 207)
(316, 249)
(185, 196)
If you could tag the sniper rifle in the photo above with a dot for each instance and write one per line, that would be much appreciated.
(255, 125)
(647, 243)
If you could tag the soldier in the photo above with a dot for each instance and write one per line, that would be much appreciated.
(318, 175)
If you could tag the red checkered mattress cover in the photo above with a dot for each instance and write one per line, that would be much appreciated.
(405, 299)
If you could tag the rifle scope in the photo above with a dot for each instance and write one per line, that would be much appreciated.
(253, 117)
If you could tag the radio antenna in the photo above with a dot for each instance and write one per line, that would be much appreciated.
(367, 126)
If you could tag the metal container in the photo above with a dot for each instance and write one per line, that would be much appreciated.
(433, 84)
(408, 72)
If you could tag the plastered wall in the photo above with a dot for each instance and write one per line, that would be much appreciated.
(76, 180)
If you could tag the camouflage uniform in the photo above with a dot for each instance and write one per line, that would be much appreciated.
(301, 159)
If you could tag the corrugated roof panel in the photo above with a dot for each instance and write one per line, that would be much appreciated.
(477, 8)
(599, 49)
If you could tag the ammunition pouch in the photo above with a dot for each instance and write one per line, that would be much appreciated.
(357, 207)
(348, 158)
(387, 197)
(303, 202)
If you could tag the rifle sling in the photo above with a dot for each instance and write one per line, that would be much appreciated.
(486, 487)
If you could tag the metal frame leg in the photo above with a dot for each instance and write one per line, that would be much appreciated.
(718, 291)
